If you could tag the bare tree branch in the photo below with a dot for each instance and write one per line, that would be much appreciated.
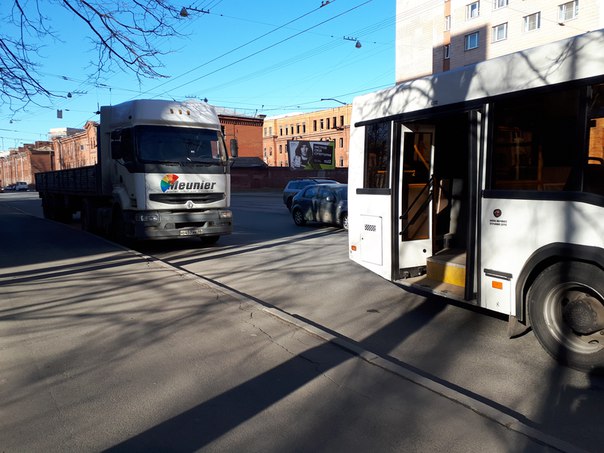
(125, 35)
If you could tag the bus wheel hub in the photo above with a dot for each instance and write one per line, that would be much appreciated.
(585, 314)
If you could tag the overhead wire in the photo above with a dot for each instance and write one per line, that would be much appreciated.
(236, 49)
(367, 30)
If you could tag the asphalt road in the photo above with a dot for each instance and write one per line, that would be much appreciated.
(305, 273)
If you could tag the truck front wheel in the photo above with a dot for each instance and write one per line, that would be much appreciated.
(118, 226)
(209, 240)
(566, 310)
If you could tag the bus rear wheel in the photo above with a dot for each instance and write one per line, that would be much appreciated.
(566, 310)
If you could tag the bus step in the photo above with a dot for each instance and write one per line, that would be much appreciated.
(448, 266)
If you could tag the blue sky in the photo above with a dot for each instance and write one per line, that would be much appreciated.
(232, 56)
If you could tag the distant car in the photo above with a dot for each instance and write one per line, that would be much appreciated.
(325, 203)
(21, 186)
(296, 185)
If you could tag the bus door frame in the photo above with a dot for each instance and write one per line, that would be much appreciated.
(416, 252)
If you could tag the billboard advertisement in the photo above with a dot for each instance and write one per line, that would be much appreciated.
(307, 155)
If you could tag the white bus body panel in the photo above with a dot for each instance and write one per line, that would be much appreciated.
(367, 211)
(575, 58)
(512, 230)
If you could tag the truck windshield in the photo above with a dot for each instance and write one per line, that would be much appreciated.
(179, 144)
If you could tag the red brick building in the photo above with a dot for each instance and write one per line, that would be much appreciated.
(21, 164)
(247, 130)
(76, 150)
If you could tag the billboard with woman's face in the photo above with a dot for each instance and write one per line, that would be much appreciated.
(307, 155)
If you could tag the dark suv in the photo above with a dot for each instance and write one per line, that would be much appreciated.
(296, 185)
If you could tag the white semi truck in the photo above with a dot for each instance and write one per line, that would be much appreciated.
(162, 173)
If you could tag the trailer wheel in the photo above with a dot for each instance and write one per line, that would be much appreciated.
(54, 209)
(89, 222)
(566, 310)
(47, 208)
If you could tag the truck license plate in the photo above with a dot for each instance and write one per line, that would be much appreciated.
(191, 232)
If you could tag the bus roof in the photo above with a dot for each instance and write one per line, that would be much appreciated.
(576, 58)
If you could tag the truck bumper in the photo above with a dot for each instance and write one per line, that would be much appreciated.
(179, 224)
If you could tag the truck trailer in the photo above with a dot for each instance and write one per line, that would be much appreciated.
(162, 172)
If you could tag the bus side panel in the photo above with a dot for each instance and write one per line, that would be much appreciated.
(369, 215)
(369, 233)
(512, 230)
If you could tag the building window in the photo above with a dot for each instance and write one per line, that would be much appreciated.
(286, 130)
(473, 10)
(500, 32)
(270, 130)
(265, 131)
(314, 125)
(342, 120)
(328, 123)
(532, 22)
(280, 149)
(322, 125)
(447, 51)
(471, 41)
(280, 131)
(335, 124)
(297, 128)
(568, 10)
(304, 128)
(341, 142)
(341, 161)
(500, 4)
(447, 23)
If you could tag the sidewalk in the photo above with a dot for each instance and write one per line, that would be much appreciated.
(102, 348)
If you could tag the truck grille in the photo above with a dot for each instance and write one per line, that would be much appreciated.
(180, 198)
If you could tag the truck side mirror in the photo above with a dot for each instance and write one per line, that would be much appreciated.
(234, 147)
(116, 150)
(116, 145)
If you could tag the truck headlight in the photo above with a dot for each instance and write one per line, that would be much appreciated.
(225, 215)
(147, 217)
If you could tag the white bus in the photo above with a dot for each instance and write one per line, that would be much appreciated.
(486, 185)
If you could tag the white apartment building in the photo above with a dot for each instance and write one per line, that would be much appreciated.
(438, 35)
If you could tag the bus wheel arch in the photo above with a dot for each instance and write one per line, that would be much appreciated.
(565, 306)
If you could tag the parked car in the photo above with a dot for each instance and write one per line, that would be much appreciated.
(21, 186)
(296, 185)
(325, 203)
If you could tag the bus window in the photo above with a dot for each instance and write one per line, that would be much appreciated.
(594, 171)
(377, 156)
(536, 142)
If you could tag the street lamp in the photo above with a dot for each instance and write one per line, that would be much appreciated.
(350, 38)
(184, 12)
(332, 99)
